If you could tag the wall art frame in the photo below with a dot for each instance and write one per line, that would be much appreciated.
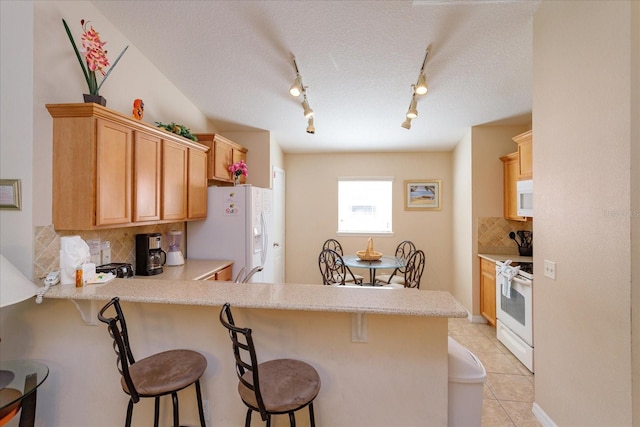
(10, 197)
(422, 195)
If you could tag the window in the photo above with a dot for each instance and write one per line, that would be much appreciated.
(364, 205)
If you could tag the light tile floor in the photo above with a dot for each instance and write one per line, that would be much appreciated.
(509, 389)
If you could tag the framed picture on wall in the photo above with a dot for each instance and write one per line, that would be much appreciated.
(422, 195)
(10, 194)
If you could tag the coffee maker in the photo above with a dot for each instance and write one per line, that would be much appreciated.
(149, 254)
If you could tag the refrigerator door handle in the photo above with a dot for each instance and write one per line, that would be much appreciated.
(265, 239)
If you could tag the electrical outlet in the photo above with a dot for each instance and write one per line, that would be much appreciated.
(205, 404)
(550, 269)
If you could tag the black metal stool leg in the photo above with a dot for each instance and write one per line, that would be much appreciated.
(247, 419)
(156, 412)
(176, 415)
(292, 419)
(127, 423)
(200, 408)
(311, 416)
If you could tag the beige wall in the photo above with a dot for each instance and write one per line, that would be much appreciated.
(16, 129)
(582, 110)
(312, 212)
(462, 233)
(635, 208)
(264, 153)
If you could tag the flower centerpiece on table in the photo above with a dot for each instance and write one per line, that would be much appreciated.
(237, 169)
(95, 58)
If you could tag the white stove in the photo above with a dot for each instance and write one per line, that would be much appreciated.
(514, 309)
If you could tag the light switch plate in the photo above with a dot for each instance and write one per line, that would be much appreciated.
(550, 269)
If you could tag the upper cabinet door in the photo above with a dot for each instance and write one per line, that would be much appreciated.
(525, 155)
(113, 173)
(174, 185)
(147, 170)
(223, 152)
(197, 195)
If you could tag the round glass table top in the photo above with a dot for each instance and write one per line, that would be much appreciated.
(19, 378)
(383, 262)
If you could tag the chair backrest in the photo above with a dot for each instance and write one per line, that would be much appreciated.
(404, 251)
(245, 356)
(118, 331)
(414, 269)
(332, 267)
(334, 245)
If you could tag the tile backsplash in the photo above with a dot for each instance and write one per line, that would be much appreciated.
(493, 235)
(123, 243)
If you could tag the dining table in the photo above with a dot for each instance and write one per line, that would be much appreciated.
(19, 380)
(385, 262)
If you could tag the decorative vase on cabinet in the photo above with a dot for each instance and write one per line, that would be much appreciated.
(97, 99)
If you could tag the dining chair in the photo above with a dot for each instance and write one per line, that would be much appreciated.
(332, 268)
(280, 386)
(404, 251)
(413, 271)
(154, 376)
(336, 246)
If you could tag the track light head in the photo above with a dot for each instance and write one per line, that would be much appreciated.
(296, 87)
(421, 88)
(413, 109)
(311, 128)
(406, 124)
(308, 112)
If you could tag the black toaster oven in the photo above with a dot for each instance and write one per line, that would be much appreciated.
(121, 270)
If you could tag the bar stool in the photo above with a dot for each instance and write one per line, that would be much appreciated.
(154, 376)
(281, 386)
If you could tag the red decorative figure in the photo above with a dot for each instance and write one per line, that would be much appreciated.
(138, 109)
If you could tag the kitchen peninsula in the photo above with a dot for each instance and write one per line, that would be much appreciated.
(369, 346)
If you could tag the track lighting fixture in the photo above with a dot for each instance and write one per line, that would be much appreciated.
(297, 89)
(308, 112)
(419, 89)
(421, 86)
(311, 128)
(412, 113)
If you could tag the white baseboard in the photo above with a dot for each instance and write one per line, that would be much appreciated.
(542, 416)
(476, 318)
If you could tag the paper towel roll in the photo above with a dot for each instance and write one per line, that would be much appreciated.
(74, 252)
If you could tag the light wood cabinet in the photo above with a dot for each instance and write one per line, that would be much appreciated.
(222, 153)
(147, 167)
(510, 178)
(222, 275)
(197, 191)
(112, 171)
(488, 290)
(525, 155)
(174, 183)
(113, 167)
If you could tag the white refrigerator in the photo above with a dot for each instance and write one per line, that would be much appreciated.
(236, 228)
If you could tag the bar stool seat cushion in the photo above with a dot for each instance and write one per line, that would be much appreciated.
(286, 385)
(166, 372)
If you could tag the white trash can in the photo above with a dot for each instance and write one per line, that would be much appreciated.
(466, 383)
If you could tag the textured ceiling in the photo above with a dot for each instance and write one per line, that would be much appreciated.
(359, 59)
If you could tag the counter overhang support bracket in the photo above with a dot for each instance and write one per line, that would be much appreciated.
(359, 327)
(88, 310)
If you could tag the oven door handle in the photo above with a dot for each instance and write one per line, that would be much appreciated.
(522, 281)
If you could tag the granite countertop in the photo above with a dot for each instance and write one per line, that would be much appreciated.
(503, 257)
(192, 269)
(305, 297)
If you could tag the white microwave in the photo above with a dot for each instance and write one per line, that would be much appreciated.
(525, 197)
